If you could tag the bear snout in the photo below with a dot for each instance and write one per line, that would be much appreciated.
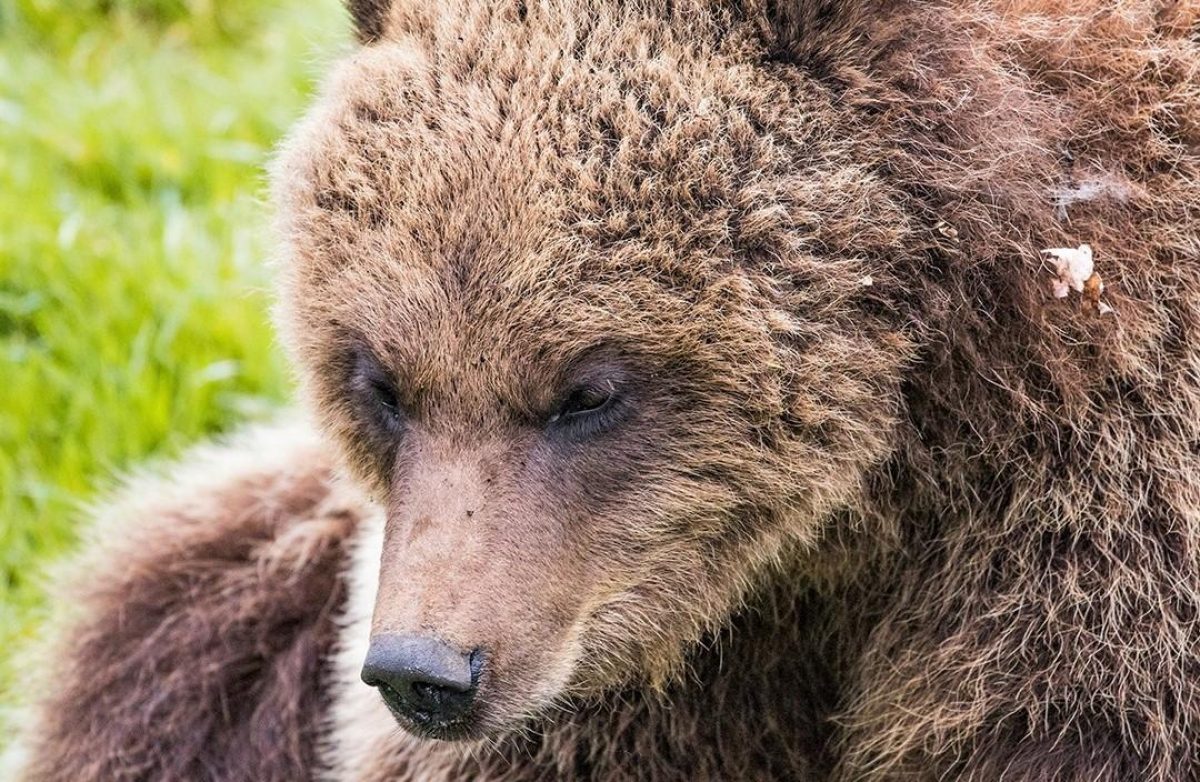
(427, 684)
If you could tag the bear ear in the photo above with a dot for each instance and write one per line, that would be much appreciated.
(369, 18)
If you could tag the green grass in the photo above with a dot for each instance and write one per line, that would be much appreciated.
(133, 282)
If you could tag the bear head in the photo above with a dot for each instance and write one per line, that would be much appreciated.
(595, 304)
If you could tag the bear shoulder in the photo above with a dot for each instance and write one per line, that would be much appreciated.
(199, 655)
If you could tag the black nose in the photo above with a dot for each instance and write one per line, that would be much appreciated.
(423, 679)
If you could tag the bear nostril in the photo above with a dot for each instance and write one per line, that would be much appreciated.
(435, 700)
(423, 679)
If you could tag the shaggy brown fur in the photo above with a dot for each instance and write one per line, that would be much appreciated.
(202, 608)
(938, 526)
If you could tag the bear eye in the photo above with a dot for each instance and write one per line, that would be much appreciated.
(375, 392)
(583, 402)
(385, 397)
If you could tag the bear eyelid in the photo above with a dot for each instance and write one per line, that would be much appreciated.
(586, 399)
(586, 409)
(371, 383)
(385, 395)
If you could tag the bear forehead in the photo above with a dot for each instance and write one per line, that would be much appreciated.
(627, 199)
(549, 166)
(544, 202)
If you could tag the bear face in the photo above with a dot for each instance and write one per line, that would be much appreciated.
(585, 310)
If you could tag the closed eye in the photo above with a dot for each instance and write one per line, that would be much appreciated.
(385, 397)
(587, 410)
(583, 401)
(376, 393)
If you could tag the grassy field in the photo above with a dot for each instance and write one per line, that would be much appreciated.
(133, 287)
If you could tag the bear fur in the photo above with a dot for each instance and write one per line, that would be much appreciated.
(871, 502)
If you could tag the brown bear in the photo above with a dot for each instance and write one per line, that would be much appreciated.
(707, 410)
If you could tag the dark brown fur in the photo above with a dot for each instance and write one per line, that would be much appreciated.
(201, 627)
(938, 526)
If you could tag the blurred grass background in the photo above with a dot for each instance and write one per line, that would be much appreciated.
(133, 239)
